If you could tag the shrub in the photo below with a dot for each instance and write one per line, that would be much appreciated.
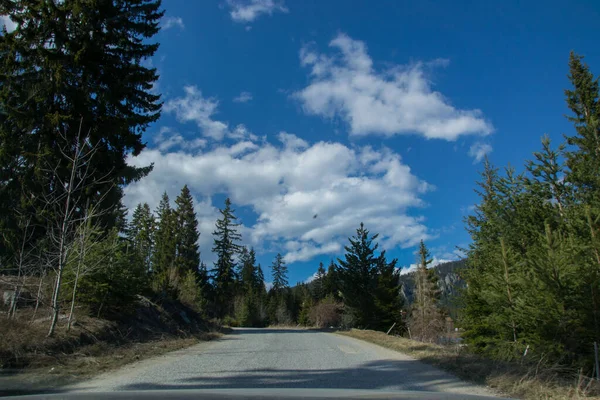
(326, 313)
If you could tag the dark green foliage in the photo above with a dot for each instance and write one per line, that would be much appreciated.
(331, 282)
(533, 265)
(369, 284)
(226, 246)
(163, 259)
(186, 232)
(70, 67)
(141, 233)
(118, 277)
(357, 272)
(584, 160)
(279, 272)
(318, 284)
(388, 301)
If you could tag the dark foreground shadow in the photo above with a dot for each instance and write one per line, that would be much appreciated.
(385, 374)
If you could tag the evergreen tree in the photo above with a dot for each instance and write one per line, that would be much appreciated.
(247, 274)
(426, 320)
(260, 278)
(357, 272)
(141, 233)
(165, 248)
(319, 282)
(71, 67)
(119, 276)
(226, 246)
(584, 160)
(331, 284)
(388, 300)
(279, 271)
(187, 235)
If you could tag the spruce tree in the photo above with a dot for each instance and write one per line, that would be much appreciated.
(584, 160)
(279, 271)
(226, 246)
(426, 321)
(187, 235)
(70, 67)
(141, 233)
(248, 269)
(331, 284)
(319, 282)
(165, 249)
(356, 273)
(388, 300)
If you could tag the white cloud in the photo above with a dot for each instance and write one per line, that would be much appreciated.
(170, 22)
(244, 97)
(167, 139)
(479, 150)
(196, 108)
(5, 21)
(249, 10)
(396, 101)
(291, 141)
(436, 261)
(308, 198)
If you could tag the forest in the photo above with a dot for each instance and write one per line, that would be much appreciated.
(74, 106)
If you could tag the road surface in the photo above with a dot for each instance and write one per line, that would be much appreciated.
(281, 358)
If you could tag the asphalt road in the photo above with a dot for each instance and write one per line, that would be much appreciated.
(281, 358)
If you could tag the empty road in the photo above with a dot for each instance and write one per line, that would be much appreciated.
(281, 358)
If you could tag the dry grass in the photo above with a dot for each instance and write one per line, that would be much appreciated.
(511, 379)
(31, 361)
(53, 372)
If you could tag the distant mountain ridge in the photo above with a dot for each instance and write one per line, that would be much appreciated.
(449, 282)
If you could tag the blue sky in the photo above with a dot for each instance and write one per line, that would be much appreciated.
(374, 111)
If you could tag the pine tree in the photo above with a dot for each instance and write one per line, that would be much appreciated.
(388, 300)
(356, 273)
(584, 160)
(260, 278)
(187, 235)
(279, 271)
(141, 233)
(226, 246)
(331, 284)
(247, 272)
(426, 321)
(319, 282)
(70, 67)
(163, 260)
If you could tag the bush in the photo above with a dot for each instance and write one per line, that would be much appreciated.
(326, 313)
(190, 293)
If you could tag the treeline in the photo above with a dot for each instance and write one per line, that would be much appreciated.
(362, 289)
(533, 271)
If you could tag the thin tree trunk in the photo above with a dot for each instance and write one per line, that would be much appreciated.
(39, 294)
(80, 261)
(62, 246)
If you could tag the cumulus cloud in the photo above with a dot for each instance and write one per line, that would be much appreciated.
(479, 150)
(399, 100)
(168, 139)
(193, 107)
(8, 23)
(434, 263)
(171, 22)
(244, 97)
(249, 10)
(307, 198)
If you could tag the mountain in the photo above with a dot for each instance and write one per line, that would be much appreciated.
(449, 282)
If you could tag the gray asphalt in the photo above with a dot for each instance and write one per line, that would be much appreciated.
(281, 358)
